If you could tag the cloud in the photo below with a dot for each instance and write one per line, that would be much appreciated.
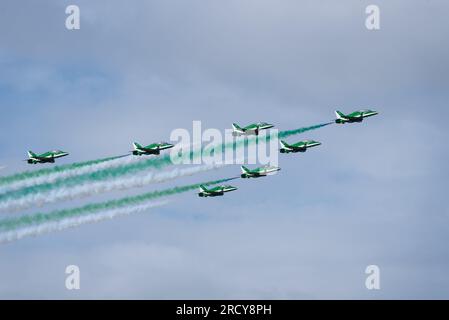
(370, 194)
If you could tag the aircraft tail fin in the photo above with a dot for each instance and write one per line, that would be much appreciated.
(244, 169)
(284, 144)
(339, 114)
(136, 145)
(237, 128)
(203, 188)
(31, 154)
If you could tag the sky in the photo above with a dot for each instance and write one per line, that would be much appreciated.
(371, 194)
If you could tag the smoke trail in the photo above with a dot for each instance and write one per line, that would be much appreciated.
(22, 179)
(118, 171)
(35, 230)
(13, 228)
(255, 139)
(64, 193)
(288, 133)
(49, 175)
(57, 190)
(52, 177)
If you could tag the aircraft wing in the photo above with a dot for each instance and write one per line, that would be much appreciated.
(165, 145)
(355, 116)
(150, 148)
(40, 157)
(229, 188)
(295, 146)
(312, 144)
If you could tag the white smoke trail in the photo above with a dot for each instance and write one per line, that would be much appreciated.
(56, 175)
(72, 222)
(67, 173)
(52, 177)
(87, 189)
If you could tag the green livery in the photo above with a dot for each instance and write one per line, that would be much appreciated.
(215, 191)
(154, 148)
(47, 157)
(258, 172)
(356, 116)
(300, 146)
(252, 129)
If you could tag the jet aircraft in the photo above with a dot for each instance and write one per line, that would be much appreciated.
(258, 172)
(154, 148)
(215, 191)
(47, 157)
(252, 129)
(300, 146)
(356, 116)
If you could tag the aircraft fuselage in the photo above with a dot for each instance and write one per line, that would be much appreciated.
(293, 150)
(211, 194)
(139, 152)
(260, 172)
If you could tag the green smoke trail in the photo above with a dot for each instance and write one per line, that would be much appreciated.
(132, 168)
(88, 177)
(57, 215)
(288, 133)
(38, 173)
(253, 139)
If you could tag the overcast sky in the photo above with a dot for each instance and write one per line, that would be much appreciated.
(372, 193)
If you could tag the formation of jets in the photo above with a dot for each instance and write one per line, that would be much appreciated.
(246, 173)
(301, 146)
(252, 129)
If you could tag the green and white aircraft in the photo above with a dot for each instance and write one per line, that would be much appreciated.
(356, 116)
(154, 148)
(258, 172)
(251, 129)
(300, 146)
(47, 157)
(215, 191)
